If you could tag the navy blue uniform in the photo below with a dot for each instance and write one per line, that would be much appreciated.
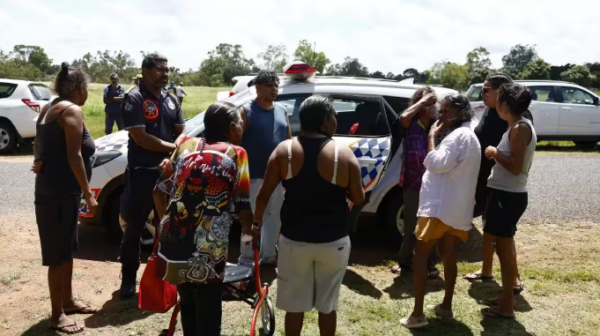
(158, 115)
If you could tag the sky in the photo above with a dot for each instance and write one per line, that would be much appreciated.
(385, 35)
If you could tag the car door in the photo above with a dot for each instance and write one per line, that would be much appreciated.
(363, 126)
(544, 109)
(579, 112)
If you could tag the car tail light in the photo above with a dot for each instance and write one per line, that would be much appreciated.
(231, 93)
(299, 70)
(32, 105)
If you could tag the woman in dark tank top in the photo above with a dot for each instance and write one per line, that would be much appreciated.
(62, 149)
(314, 246)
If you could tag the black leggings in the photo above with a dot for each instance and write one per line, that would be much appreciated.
(201, 309)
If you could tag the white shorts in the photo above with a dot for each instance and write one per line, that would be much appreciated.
(310, 275)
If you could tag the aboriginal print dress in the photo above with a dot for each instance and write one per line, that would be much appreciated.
(206, 183)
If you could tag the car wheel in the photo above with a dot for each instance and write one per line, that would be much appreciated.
(391, 215)
(8, 137)
(585, 144)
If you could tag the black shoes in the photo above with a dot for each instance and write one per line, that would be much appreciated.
(128, 282)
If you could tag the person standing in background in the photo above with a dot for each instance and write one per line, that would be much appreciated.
(136, 82)
(266, 125)
(417, 121)
(62, 150)
(113, 96)
(180, 93)
(154, 120)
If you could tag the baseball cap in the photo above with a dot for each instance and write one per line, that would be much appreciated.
(138, 76)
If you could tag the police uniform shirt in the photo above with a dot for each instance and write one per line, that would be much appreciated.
(158, 115)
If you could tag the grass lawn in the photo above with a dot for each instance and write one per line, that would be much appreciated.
(197, 100)
(558, 263)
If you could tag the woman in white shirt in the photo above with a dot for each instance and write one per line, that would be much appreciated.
(445, 202)
(507, 185)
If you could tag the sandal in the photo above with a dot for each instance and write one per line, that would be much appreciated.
(518, 289)
(81, 310)
(413, 322)
(493, 313)
(65, 329)
(478, 276)
(433, 273)
(441, 312)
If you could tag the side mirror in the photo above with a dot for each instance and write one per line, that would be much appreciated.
(596, 101)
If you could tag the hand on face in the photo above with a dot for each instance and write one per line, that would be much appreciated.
(429, 99)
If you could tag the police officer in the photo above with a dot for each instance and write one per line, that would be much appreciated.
(154, 120)
(136, 82)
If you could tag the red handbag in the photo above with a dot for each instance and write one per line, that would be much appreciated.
(156, 295)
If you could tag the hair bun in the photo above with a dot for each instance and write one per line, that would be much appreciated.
(64, 69)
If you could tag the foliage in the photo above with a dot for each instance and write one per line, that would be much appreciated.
(104, 63)
(223, 63)
(308, 54)
(595, 74)
(274, 58)
(556, 71)
(478, 65)
(351, 67)
(537, 69)
(579, 74)
(518, 58)
(34, 55)
(450, 75)
(17, 69)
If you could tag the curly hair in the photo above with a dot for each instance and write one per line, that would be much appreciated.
(151, 59)
(498, 79)
(418, 95)
(264, 77)
(461, 104)
(69, 80)
(517, 97)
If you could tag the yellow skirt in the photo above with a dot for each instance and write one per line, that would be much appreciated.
(431, 228)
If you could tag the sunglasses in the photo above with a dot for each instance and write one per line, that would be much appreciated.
(112, 79)
(486, 90)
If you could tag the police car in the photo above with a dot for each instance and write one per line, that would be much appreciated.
(366, 107)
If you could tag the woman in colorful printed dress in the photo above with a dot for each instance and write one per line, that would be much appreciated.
(206, 180)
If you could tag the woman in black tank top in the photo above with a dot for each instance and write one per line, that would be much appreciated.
(62, 150)
(314, 247)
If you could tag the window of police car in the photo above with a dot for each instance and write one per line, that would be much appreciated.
(360, 117)
(576, 96)
(542, 93)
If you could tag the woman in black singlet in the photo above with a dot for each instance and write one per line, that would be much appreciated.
(62, 150)
(313, 246)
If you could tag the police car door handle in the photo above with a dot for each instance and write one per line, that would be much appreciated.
(367, 162)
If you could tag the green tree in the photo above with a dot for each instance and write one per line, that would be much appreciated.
(34, 55)
(307, 53)
(478, 65)
(518, 58)
(274, 58)
(377, 74)
(411, 73)
(449, 74)
(537, 69)
(223, 63)
(579, 74)
(351, 67)
(100, 66)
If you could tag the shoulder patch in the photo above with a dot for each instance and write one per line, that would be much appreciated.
(151, 110)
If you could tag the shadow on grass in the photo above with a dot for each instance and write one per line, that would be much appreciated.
(360, 285)
(503, 327)
(443, 327)
(96, 244)
(482, 291)
(117, 312)
(403, 287)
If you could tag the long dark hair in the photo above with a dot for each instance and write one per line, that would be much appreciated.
(517, 97)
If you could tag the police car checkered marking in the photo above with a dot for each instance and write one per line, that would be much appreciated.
(109, 144)
(377, 149)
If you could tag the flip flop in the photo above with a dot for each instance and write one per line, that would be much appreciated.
(83, 310)
(433, 273)
(492, 313)
(478, 276)
(518, 289)
(412, 322)
(63, 329)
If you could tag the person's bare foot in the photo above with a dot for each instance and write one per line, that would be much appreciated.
(65, 325)
(75, 307)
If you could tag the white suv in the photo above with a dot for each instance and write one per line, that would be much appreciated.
(373, 104)
(560, 110)
(20, 105)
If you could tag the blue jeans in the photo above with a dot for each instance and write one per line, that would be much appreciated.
(110, 119)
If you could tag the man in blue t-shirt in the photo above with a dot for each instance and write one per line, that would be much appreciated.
(154, 120)
(113, 96)
(266, 125)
